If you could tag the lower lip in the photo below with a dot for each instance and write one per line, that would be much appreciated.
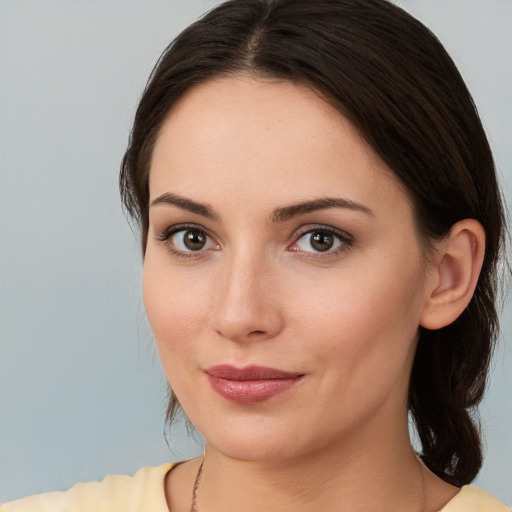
(251, 391)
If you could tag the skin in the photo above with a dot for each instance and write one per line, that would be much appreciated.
(258, 293)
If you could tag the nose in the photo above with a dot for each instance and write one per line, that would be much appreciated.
(246, 301)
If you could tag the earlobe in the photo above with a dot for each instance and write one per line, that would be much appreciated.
(455, 275)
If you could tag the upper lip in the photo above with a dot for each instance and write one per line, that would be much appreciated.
(229, 372)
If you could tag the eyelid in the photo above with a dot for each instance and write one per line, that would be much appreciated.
(345, 238)
(169, 232)
(176, 228)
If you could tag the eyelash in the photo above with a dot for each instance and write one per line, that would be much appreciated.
(171, 231)
(346, 240)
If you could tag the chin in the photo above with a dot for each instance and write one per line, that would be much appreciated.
(255, 450)
(265, 440)
(255, 439)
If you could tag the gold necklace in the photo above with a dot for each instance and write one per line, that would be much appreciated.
(193, 505)
(195, 488)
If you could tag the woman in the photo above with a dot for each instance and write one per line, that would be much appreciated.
(321, 225)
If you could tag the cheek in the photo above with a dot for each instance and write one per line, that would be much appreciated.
(371, 295)
(176, 305)
(366, 318)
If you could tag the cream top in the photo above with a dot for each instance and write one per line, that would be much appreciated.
(144, 492)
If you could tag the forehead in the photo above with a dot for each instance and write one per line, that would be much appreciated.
(241, 135)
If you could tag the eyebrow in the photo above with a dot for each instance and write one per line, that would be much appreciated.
(279, 215)
(287, 212)
(186, 204)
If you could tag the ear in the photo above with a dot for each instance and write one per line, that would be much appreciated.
(453, 279)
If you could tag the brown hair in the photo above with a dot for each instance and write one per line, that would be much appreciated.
(392, 78)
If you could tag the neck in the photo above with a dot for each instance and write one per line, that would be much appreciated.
(384, 476)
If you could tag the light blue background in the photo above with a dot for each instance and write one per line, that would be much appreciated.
(81, 391)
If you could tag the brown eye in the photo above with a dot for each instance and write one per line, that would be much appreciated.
(189, 240)
(194, 240)
(321, 241)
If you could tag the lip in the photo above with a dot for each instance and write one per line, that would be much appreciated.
(251, 384)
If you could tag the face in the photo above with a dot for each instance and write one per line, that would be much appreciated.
(283, 278)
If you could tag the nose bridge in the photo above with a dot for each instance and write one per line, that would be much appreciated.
(245, 305)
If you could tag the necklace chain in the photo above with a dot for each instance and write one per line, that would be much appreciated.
(195, 489)
(193, 506)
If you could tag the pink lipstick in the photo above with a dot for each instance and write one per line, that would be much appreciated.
(252, 384)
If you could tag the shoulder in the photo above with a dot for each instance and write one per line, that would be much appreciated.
(471, 499)
(142, 491)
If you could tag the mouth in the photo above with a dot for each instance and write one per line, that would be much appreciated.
(252, 384)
